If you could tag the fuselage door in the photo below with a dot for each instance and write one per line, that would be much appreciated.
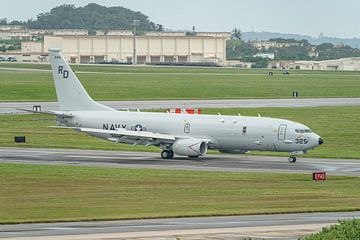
(282, 132)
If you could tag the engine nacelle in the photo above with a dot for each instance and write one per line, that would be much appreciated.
(190, 147)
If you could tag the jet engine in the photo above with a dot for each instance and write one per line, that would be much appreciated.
(190, 147)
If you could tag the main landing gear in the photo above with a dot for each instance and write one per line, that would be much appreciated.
(167, 154)
(292, 159)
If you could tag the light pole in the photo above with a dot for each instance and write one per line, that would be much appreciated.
(135, 24)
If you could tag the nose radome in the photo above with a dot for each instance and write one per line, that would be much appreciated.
(321, 141)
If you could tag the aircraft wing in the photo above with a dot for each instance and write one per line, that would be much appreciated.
(144, 135)
(136, 134)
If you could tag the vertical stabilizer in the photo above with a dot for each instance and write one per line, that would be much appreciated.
(70, 93)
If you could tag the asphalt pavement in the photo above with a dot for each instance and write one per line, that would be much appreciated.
(211, 162)
(277, 226)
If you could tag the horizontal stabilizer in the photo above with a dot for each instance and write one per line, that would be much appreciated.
(56, 113)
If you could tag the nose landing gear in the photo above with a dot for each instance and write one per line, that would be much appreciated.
(292, 159)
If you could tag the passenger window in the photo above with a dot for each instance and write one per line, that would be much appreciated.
(244, 130)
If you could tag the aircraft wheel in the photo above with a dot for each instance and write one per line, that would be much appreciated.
(171, 154)
(167, 154)
(292, 159)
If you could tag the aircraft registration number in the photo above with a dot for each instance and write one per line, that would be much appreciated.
(301, 141)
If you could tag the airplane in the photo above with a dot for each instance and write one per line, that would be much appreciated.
(176, 134)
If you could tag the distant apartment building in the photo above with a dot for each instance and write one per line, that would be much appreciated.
(118, 46)
(10, 27)
(265, 45)
(30, 33)
(6, 30)
(265, 55)
(19, 32)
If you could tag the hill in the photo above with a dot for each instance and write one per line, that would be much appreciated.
(91, 17)
(352, 42)
(296, 50)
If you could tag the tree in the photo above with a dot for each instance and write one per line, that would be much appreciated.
(3, 21)
(236, 34)
(325, 46)
(293, 53)
(16, 22)
(91, 17)
(236, 49)
(159, 28)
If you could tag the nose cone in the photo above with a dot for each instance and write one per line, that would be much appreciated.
(321, 141)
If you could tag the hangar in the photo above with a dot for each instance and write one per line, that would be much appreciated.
(342, 64)
(118, 46)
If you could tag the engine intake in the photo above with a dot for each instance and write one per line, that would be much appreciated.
(191, 147)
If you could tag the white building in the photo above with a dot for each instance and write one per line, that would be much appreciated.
(153, 47)
(342, 64)
(260, 45)
(265, 55)
(6, 30)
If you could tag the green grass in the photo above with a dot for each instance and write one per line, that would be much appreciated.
(134, 83)
(345, 230)
(339, 126)
(35, 193)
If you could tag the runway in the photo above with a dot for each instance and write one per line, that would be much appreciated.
(11, 107)
(212, 162)
(279, 226)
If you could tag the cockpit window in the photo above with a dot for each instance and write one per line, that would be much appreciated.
(303, 130)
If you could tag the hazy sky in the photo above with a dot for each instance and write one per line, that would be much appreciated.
(339, 18)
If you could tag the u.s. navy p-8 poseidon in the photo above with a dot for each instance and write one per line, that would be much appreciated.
(181, 134)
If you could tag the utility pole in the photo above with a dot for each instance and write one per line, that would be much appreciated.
(135, 24)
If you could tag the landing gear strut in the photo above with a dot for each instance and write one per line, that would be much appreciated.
(292, 159)
(167, 154)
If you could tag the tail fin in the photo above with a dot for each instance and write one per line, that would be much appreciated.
(70, 93)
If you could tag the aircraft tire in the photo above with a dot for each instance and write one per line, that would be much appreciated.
(171, 154)
(292, 159)
(167, 154)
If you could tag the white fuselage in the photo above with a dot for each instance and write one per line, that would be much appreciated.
(227, 133)
(181, 134)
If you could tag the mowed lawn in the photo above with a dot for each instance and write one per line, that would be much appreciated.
(35, 193)
(339, 127)
(145, 83)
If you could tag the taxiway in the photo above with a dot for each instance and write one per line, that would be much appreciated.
(278, 226)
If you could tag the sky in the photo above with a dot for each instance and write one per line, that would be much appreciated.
(336, 18)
